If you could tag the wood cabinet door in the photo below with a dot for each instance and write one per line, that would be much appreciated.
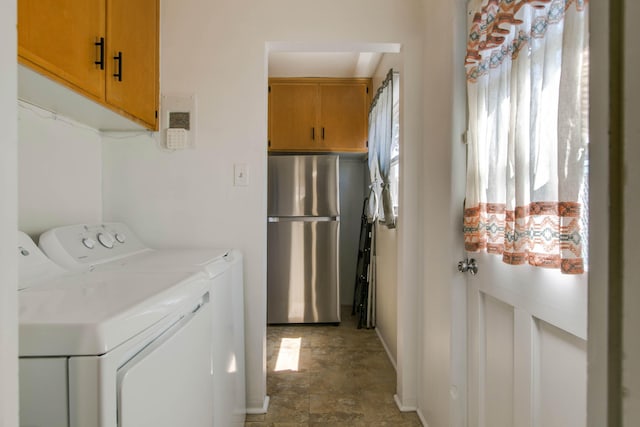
(132, 31)
(57, 38)
(344, 109)
(293, 117)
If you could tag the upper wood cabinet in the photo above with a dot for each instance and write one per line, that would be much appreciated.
(106, 50)
(58, 38)
(344, 112)
(132, 33)
(318, 114)
(293, 116)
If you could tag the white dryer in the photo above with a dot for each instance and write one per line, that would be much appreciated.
(115, 247)
(112, 349)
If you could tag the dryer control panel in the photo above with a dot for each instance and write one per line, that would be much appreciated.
(80, 246)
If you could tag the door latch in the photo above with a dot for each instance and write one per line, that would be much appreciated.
(468, 265)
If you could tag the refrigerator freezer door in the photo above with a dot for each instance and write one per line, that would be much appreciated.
(305, 185)
(303, 272)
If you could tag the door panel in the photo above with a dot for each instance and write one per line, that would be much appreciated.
(498, 362)
(526, 350)
(561, 370)
(544, 293)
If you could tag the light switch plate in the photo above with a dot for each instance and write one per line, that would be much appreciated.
(240, 175)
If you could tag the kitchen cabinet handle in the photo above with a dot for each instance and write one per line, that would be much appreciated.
(100, 44)
(322, 133)
(313, 134)
(118, 59)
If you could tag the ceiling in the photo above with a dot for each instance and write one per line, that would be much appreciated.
(323, 64)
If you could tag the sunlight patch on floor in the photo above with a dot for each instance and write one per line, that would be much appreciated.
(288, 355)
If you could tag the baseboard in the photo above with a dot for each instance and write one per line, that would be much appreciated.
(386, 348)
(402, 407)
(422, 420)
(257, 411)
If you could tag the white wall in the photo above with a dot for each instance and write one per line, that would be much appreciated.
(351, 197)
(60, 171)
(442, 189)
(387, 289)
(218, 50)
(387, 247)
(8, 218)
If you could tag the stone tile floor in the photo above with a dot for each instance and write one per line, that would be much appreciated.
(342, 377)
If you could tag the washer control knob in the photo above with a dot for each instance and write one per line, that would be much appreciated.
(121, 238)
(88, 243)
(105, 240)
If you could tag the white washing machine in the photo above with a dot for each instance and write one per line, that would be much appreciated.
(114, 247)
(112, 349)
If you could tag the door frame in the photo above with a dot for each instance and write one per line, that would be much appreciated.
(603, 345)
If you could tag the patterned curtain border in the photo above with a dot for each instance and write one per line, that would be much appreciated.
(543, 234)
(494, 21)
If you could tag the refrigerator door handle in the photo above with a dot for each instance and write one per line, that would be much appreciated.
(303, 218)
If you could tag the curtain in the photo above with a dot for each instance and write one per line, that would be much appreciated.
(527, 86)
(380, 204)
(380, 141)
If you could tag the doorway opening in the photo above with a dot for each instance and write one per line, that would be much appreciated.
(353, 60)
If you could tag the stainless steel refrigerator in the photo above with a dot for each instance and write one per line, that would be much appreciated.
(303, 233)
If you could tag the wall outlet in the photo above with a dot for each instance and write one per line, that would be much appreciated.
(240, 175)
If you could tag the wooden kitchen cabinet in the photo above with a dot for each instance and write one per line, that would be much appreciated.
(318, 114)
(344, 112)
(74, 42)
(132, 31)
(292, 116)
(58, 38)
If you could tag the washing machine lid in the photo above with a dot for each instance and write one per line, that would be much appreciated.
(209, 261)
(64, 313)
(91, 313)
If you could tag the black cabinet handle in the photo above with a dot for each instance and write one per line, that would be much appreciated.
(100, 44)
(323, 133)
(313, 134)
(118, 59)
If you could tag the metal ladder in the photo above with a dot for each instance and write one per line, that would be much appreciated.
(361, 290)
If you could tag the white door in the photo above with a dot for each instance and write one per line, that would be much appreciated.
(526, 344)
(527, 358)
